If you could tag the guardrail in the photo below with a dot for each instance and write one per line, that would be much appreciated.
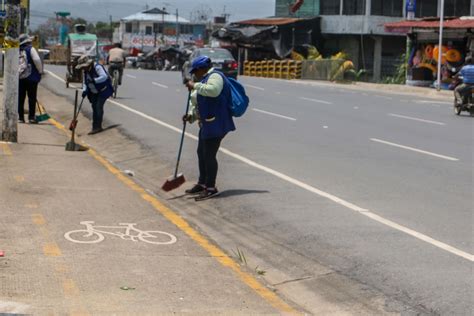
(280, 69)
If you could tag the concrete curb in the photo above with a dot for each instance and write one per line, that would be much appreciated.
(380, 88)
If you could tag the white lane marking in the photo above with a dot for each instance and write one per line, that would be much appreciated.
(433, 102)
(325, 127)
(145, 116)
(274, 114)
(321, 193)
(416, 119)
(430, 103)
(61, 79)
(307, 187)
(383, 97)
(315, 100)
(356, 107)
(413, 149)
(354, 207)
(130, 76)
(254, 87)
(160, 85)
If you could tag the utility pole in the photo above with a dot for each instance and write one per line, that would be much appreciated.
(11, 79)
(163, 26)
(111, 29)
(440, 45)
(177, 28)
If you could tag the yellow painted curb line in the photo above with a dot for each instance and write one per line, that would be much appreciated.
(177, 220)
(6, 149)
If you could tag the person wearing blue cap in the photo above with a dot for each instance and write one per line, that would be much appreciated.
(210, 99)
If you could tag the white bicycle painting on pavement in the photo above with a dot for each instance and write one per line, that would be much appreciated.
(127, 231)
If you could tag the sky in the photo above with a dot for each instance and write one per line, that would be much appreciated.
(100, 10)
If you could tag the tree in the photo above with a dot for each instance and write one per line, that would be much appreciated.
(104, 30)
(48, 32)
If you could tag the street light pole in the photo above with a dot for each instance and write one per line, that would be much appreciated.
(440, 45)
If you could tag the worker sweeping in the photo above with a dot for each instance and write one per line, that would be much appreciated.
(210, 107)
(97, 87)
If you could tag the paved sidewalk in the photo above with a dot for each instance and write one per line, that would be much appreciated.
(46, 192)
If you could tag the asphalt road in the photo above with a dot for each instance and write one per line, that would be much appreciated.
(376, 186)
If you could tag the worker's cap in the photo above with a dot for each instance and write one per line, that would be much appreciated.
(83, 62)
(201, 62)
(25, 39)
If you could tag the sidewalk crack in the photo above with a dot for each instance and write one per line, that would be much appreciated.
(294, 280)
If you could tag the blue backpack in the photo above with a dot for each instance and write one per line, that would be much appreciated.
(240, 100)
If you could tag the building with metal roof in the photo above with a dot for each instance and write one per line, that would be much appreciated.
(155, 14)
(156, 27)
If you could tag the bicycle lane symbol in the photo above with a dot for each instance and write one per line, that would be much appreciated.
(127, 231)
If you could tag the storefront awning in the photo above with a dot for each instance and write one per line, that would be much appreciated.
(407, 25)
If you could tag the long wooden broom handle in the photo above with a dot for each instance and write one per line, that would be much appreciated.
(182, 137)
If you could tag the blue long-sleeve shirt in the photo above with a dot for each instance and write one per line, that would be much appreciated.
(102, 76)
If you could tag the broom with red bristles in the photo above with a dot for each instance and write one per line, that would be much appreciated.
(178, 179)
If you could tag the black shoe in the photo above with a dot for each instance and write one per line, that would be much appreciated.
(95, 131)
(207, 194)
(197, 188)
(32, 121)
(21, 121)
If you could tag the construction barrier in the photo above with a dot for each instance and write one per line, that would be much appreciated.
(281, 69)
(323, 69)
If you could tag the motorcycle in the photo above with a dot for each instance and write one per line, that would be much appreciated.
(460, 106)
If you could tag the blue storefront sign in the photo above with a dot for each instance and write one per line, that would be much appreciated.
(411, 9)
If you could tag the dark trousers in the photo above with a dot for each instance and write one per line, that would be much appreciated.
(462, 91)
(97, 104)
(207, 156)
(30, 88)
(119, 67)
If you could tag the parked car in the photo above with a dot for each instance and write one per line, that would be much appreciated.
(221, 59)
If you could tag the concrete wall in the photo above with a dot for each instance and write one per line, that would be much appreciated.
(355, 24)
